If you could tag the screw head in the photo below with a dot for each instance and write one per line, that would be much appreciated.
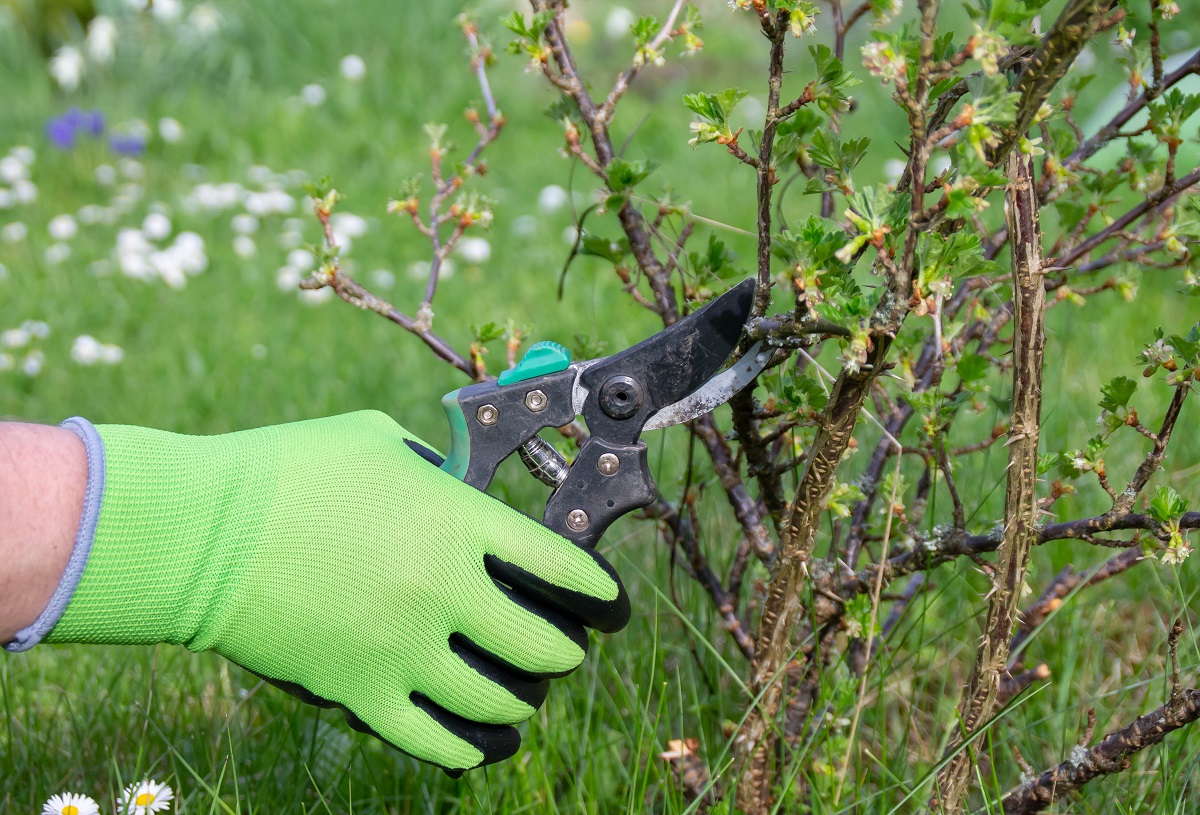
(487, 415)
(536, 401)
(578, 520)
(608, 464)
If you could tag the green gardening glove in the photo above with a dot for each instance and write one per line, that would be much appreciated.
(332, 558)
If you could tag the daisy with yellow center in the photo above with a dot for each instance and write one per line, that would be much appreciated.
(69, 803)
(146, 797)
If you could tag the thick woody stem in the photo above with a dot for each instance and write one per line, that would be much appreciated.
(1020, 500)
(1070, 32)
(782, 605)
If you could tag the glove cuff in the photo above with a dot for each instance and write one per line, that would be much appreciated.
(31, 635)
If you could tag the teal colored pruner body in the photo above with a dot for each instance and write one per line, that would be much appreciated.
(541, 359)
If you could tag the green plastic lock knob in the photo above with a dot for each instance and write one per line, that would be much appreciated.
(542, 358)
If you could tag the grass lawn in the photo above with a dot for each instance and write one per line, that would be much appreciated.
(260, 104)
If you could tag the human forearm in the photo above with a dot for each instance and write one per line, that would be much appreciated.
(43, 477)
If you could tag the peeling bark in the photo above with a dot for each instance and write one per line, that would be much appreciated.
(1020, 499)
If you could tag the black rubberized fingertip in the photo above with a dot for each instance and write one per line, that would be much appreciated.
(309, 698)
(528, 687)
(603, 615)
(424, 452)
(496, 741)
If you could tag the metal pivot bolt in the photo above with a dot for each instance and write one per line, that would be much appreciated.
(487, 415)
(536, 401)
(578, 520)
(608, 464)
(621, 397)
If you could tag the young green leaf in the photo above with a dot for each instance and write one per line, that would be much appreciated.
(1166, 505)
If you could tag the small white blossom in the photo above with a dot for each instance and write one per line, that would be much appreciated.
(24, 154)
(347, 224)
(204, 20)
(524, 225)
(57, 253)
(13, 232)
(14, 338)
(66, 67)
(288, 277)
(62, 227)
(149, 796)
(167, 11)
(882, 60)
(244, 224)
(12, 169)
(32, 365)
(87, 350)
(131, 168)
(101, 40)
(70, 803)
(382, 279)
(552, 198)
(302, 259)
(312, 95)
(618, 22)
(893, 168)
(475, 250)
(244, 247)
(105, 175)
(7, 363)
(353, 67)
(24, 191)
(170, 130)
(6, 198)
(269, 203)
(1177, 553)
(156, 226)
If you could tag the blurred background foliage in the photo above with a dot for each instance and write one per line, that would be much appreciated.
(223, 109)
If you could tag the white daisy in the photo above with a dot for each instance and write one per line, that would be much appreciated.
(69, 803)
(353, 67)
(147, 797)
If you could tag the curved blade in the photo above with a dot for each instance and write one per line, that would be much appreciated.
(714, 393)
(626, 389)
(682, 357)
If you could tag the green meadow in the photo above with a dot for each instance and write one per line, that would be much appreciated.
(238, 104)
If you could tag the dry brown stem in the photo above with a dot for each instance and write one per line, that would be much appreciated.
(1020, 500)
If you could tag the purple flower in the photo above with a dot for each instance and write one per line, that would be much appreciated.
(91, 122)
(63, 130)
(61, 133)
(127, 144)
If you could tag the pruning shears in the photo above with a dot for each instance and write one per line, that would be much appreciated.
(669, 378)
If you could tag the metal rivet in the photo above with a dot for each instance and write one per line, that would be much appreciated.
(487, 415)
(578, 520)
(536, 401)
(620, 397)
(608, 464)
